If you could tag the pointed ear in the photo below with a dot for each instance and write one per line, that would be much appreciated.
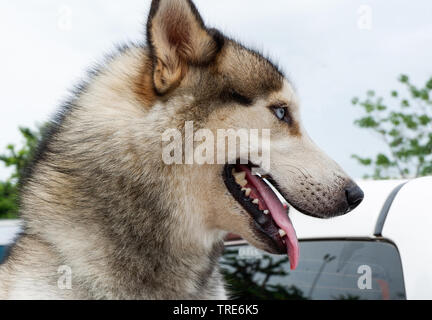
(177, 38)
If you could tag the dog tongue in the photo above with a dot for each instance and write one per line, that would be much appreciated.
(279, 215)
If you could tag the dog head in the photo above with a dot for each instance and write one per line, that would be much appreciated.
(204, 78)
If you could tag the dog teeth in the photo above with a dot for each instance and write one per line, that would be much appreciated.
(282, 233)
(248, 192)
(266, 212)
(256, 201)
(242, 183)
(239, 176)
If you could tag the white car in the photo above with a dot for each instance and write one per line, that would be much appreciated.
(9, 230)
(382, 250)
(379, 251)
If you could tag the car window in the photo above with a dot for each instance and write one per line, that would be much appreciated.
(328, 270)
(2, 253)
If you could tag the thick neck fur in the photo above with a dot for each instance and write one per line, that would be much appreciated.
(108, 208)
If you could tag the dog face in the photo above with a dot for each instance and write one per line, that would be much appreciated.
(204, 77)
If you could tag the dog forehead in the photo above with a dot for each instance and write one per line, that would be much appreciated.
(286, 94)
(248, 71)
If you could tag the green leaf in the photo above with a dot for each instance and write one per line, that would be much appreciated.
(409, 122)
(362, 161)
(429, 84)
(367, 122)
(426, 170)
(394, 132)
(403, 78)
(405, 103)
(369, 107)
(424, 95)
(396, 142)
(415, 92)
(383, 160)
(424, 120)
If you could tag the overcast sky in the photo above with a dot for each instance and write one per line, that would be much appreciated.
(331, 50)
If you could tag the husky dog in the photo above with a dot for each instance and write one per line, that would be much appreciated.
(99, 203)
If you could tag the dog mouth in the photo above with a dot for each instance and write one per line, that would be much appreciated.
(257, 195)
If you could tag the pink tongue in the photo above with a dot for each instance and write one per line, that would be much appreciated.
(279, 215)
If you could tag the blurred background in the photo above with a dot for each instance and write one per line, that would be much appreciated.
(361, 68)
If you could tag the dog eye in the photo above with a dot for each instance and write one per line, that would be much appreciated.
(282, 113)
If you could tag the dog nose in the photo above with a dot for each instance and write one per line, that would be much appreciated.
(354, 196)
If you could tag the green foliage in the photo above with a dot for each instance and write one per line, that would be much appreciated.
(405, 127)
(8, 200)
(16, 158)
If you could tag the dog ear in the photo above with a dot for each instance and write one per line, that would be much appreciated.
(177, 38)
